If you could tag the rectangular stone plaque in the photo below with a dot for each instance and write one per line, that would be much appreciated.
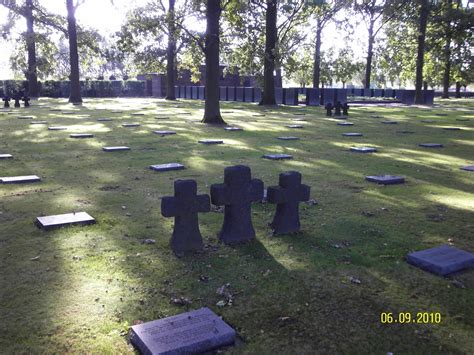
(352, 134)
(233, 129)
(386, 179)
(167, 167)
(6, 156)
(104, 119)
(288, 138)
(138, 114)
(468, 168)
(442, 260)
(294, 126)
(363, 149)
(81, 135)
(164, 133)
(277, 156)
(115, 149)
(345, 124)
(389, 122)
(431, 145)
(19, 179)
(57, 128)
(211, 141)
(68, 113)
(130, 125)
(162, 118)
(192, 332)
(452, 128)
(39, 122)
(49, 222)
(25, 117)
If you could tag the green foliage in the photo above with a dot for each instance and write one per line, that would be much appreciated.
(344, 67)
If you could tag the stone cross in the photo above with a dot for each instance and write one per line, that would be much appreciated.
(329, 108)
(287, 197)
(338, 108)
(17, 99)
(6, 100)
(184, 207)
(345, 109)
(237, 193)
(26, 101)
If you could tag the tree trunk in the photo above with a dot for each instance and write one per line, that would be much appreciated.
(32, 76)
(458, 89)
(278, 78)
(170, 54)
(75, 94)
(268, 95)
(370, 54)
(447, 53)
(424, 11)
(212, 113)
(317, 56)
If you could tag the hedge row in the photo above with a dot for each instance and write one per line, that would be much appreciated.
(93, 88)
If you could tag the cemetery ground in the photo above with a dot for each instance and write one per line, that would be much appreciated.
(79, 289)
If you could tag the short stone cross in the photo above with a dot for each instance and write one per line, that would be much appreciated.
(26, 101)
(345, 109)
(237, 193)
(337, 109)
(329, 108)
(287, 197)
(6, 101)
(184, 207)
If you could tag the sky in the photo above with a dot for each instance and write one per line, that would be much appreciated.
(107, 18)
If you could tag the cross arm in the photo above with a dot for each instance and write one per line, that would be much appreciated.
(168, 206)
(256, 190)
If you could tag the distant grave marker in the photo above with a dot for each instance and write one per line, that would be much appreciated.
(50, 222)
(468, 168)
(105, 119)
(431, 145)
(427, 121)
(345, 124)
(389, 122)
(352, 134)
(81, 135)
(442, 260)
(294, 126)
(441, 114)
(20, 179)
(195, 332)
(39, 122)
(406, 132)
(69, 112)
(211, 141)
(167, 167)
(115, 149)
(138, 114)
(25, 117)
(162, 118)
(185, 206)
(288, 138)
(462, 119)
(277, 156)
(386, 179)
(115, 111)
(130, 125)
(57, 128)
(6, 156)
(164, 133)
(451, 128)
(233, 129)
(363, 149)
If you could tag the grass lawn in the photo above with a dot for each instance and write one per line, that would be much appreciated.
(79, 289)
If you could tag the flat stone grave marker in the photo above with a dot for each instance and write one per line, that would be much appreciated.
(105, 119)
(386, 179)
(164, 133)
(39, 122)
(195, 332)
(299, 119)
(129, 125)
(389, 122)
(57, 128)
(376, 116)
(345, 124)
(81, 135)
(468, 168)
(427, 121)
(233, 129)
(300, 114)
(25, 117)
(363, 149)
(406, 132)
(441, 114)
(451, 128)
(277, 156)
(6, 156)
(288, 138)
(227, 111)
(19, 179)
(138, 114)
(61, 220)
(167, 167)
(431, 145)
(115, 111)
(258, 115)
(55, 110)
(69, 112)
(115, 149)
(462, 119)
(442, 260)
(211, 141)
(352, 134)
(294, 126)
(162, 118)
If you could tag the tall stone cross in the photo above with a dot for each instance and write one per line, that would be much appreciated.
(184, 207)
(26, 100)
(287, 196)
(6, 101)
(237, 193)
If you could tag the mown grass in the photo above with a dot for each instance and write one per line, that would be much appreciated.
(291, 294)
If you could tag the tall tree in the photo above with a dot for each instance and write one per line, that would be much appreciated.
(268, 95)
(171, 53)
(33, 88)
(75, 88)
(423, 20)
(212, 113)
